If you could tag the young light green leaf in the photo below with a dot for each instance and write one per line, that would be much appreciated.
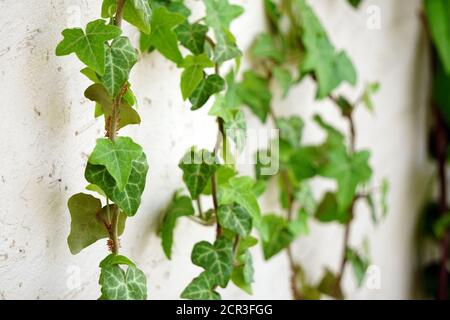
(89, 46)
(349, 171)
(330, 68)
(284, 79)
(215, 258)
(370, 90)
(242, 275)
(236, 130)
(128, 115)
(240, 190)
(120, 58)
(254, 92)
(193, 73)
(139, 14)
(265, 47)
(299, 226)
(220, 14)
(117, 156)
(278, 235)
(202, 288)
(89, 222)
(192, 36)
(198, 167)
(223, 174)
(117, 284)
(235, 218)
(163, 37)
(116, 259)
(128, 199)
(208, 86)
(180, 206)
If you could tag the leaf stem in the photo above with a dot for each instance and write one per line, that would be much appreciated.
(119, 13)
(115, 230)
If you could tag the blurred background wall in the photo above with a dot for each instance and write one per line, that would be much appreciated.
(47, 131)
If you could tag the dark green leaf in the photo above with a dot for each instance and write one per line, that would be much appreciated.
(198, 167)
(215, 258)
(202, 288)
(235, 218)
(208, 86)
(120, 58)
(130, 198)
(192, 36)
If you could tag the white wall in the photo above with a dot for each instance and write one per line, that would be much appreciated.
(47, 130)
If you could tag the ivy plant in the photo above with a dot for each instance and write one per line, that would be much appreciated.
(282, 57)
(434, 226)
(200, 48)
(117, 167)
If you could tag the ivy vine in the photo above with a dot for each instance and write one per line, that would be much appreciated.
(295, 46)
(117, 167)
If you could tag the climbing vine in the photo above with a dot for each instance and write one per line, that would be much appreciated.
(434, 236)
(117, 167)
(295, 46)
(283, 57)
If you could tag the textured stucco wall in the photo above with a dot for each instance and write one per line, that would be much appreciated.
(47, 130)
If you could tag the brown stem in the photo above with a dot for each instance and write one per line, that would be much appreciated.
(220, 138)
(119, 13)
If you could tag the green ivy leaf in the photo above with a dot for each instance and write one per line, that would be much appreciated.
(117, 156)
(120, 58)
(117, 284)
(88, 222)
(349, 171)
(198, 167)
(299, 226)
(139, 14)
(208, 86)
(359, 265)
(330, 68)
(180, 206)
(215, 258)
(370, 90)
(220, 14)
(329, 285)
(89, 46)
(284, 79)
(240, 190)
(192, 36)
(265, 47)
(192, 75)
(438, 13)
(128, 115)
(236, 130)
(254, 92)
(384, 197)
(128, 199)
(223, 174)
(306, 162)
(202, 288)
(242, 275)
(163, 36)
(278, 235)
(328, 210)
(291, 130)
(235, 218)
(355, 3)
